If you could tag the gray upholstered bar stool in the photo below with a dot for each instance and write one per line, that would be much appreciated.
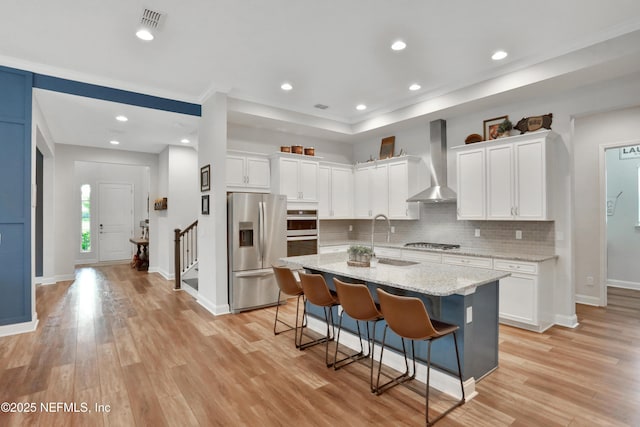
(408, 317)
(357, 303)
(318, 293)
(288, 285)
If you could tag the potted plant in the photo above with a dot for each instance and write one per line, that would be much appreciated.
(359, 253)
(504, 129)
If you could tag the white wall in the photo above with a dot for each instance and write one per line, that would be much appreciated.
(66, 223)
(178, 182)
(95, 173)
(264, 141)
(623, 233)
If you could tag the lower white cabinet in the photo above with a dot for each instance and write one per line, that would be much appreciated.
(467, 261)
(526, 297)
(333, 249)
(421, 256)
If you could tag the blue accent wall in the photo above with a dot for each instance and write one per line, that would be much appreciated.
(15, 196)
(73, 87)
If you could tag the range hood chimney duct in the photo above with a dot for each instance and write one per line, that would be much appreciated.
(438, 192)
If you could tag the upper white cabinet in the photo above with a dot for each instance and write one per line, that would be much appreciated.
(371, 190)
(471, 184)
(383, 187)
(505, 179)
(403, 183)
(335, 191)
(295, 176)
(247, 172)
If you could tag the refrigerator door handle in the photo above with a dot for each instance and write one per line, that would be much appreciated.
(261, 231)
(263, 273)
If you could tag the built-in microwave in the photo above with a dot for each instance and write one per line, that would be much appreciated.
(302, 232)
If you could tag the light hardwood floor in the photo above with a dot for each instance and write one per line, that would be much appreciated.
(123, 338)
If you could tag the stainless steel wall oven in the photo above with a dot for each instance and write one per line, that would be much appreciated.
(302, 232)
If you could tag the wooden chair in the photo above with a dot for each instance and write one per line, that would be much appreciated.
(408, 317)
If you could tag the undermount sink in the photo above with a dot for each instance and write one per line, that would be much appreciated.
(396, 262)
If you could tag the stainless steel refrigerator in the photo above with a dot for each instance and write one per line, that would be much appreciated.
(257, 239)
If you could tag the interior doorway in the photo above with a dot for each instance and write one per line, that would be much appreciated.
(620, 217)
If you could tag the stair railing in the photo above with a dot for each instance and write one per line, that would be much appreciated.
(186, 251)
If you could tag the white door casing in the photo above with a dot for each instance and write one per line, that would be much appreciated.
(115, 221)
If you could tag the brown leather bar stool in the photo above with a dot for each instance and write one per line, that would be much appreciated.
(288, 285)
(318, 293)
(357, 302)
(408, 317)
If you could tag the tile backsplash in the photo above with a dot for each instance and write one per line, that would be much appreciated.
(438, 224)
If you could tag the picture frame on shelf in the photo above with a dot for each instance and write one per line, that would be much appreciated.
(387, 146)
(205, 178)
(491, 127)
(205, 205)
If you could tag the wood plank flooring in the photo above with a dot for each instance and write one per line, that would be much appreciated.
(123, 338)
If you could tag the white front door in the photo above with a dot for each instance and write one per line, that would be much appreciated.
(115, 221)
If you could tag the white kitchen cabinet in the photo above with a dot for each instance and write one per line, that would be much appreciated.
(335, 191)
(383, 187)
(506, 179)
(371, 191)
(247, 172)
(403, 183)
(467, 261)
(471, 184)
(295, 176)
(517, 181)
(421, 256)
(526, 296)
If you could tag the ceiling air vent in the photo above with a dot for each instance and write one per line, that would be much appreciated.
(321, 106)
(152, 19)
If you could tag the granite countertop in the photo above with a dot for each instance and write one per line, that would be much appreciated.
(425, 277)
(460, 251)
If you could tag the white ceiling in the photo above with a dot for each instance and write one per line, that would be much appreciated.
(333, 52)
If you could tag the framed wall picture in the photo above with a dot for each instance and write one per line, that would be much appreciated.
(491, 127)
(205, 204)
(205, 178)
(386, 147)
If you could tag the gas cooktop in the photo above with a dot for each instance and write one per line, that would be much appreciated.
(428, 245)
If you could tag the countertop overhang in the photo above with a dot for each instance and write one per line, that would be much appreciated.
(424, 277)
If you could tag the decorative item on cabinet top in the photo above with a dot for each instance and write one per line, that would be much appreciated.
(533, 123)
(160, 204)
(491, 127)
(387, 146)
(474, 137)
(285, 149)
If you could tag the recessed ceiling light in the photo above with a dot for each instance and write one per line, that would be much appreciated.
(121, 118)
(398, 45)
(114, 142)
(286, 86)
(144, 34)
(498, 55)
(361, 107)
(184, 140)
(415, 86)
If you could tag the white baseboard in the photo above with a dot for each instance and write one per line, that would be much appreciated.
(161, 272)
(566, 321)
(216, 310)
(189, 290)
(45, 280)
(439, 380)
(623, 284)
(65, 277)
(86, 261)
(588, 300)
(19, 328)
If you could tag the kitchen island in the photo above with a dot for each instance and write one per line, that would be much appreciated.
(465, 296)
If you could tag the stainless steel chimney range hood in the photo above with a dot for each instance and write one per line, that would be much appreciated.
(438, 192)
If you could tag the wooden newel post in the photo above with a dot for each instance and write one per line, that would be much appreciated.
(176, 254)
